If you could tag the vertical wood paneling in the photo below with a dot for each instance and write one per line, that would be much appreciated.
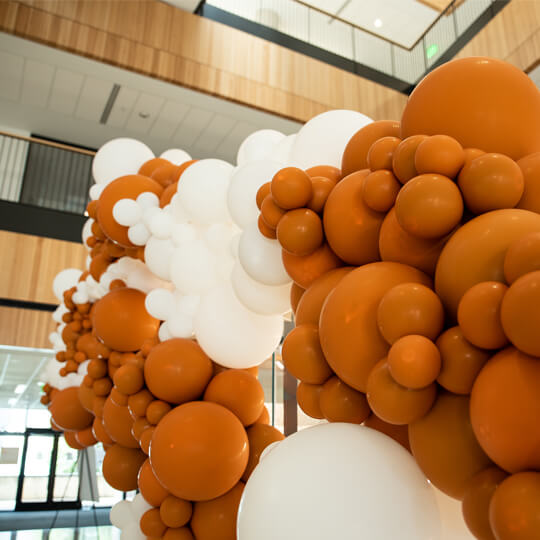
(25, 327)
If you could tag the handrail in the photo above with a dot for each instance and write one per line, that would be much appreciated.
(48, 143)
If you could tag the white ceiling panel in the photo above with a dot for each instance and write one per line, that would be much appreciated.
(144, 113)
(66, 89)
(123, 106)
(12, 75)
(94, 96)
(217, 130)
(169, 119)
(195, 121)
(37, 83)
(230, 145)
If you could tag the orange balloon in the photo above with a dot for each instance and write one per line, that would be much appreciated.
(71, 440)
(199, 451)
(138, 427)
(475, 504)
(183, 533)
(300, 231)
(165, 174)
(67, 410)
(327, 171)
(152, 491)
(380, 190)
(118, 397)
(520, 313)
(238, 391)
(86, 437)
(296, 295)
(476, 251)
(505, 407)
(152, 525)
(98, 265)
(490, 182)
(445, 446)
(514, 511)
(479, 315)
(168, 193)
(148, 167)
(414, 361)
(481, 102)
(303, 356)
(397, 245)
(264, 418)
(530, 167)
(410, 308)
(121, 466)
(403, 161)
(394, 403)
(102, 387)
(439, 154)
(259, 436)
(129, 379)
(156, 411)
(349, 335)
(381, 152)
(470, 154)
(99, 403)
(138, 403)
(216, 519)
(118, 423)
(175, 512)
(341, 403)
(177, 370)
(522, 257)
(146, 439)
(100, 432)
(460, 361)
(181, 168)
(86, 397)
(400, 434)
(125, 187)
(291, 188)
(322, 187)
(308, 399)
(351, 227)
(121, 321)
(356, 152)
(262, 192)
(311, 302)
(271, 213)
(429, 206)
(265, 229)
(305, 270)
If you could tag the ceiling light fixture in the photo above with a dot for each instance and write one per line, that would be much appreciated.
(20, 388)
(377, 23)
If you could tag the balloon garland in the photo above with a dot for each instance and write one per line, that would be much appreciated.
(408, 252)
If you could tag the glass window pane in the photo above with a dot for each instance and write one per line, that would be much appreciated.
(36, 468)
(66, 481)
(11, 448)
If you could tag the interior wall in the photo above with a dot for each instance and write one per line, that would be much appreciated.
(26, 327)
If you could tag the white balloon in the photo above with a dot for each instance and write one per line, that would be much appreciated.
(64, 280)
(161, 224)
(338, 481)
(180, 326)
(322, 140)
(182, 233)
(245, 182)
(267, 450)
(203, 191)
(132, 532)
(257, 297)
(127, 212)
(178, 210)
(87, 231)
(96, 190)
(139, 506)
(176, 156)
(232, 335)
(138, 234)
(148, 199)
(163, 332)
(119, 157)
(158, 254)
(121, 515)
(261, 257)
(282, 151)
(159, 303)
(258, 145)
(193, 268)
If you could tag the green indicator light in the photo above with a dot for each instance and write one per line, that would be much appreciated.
(432, 50)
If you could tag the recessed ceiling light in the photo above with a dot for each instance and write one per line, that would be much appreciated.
(377, 23)
(20, 388)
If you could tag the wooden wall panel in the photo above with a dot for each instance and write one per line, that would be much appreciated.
(25, 327)
(156, 39)
(30, 264)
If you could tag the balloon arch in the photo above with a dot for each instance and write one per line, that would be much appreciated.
(409, 253)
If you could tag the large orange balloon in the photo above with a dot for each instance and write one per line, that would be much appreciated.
(152, 491)
(118, 423)
(125, 187)
(216, 519)
(199, 451)
(308, 398)
(121, 321)
(476, 252)
(400, 434)
(530, 167)
(445, 447)
(259, 436)
(522, 257)
(349, 335)
(481, 102)
(177, 370)
(121, 466)
(351, 227)
(505, 408)
(341, 403)
(68, 412)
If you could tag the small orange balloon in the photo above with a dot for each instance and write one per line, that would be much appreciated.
(530, 167)
(86, 397)
(400, 434)
(118, 423)
(175, 512)
(165, 174)
(138, 403)
(121, 466)
(129, 379)
(259, 436)
(479, 315)
(322, 187)
(138, 427)
(291, 188)
(152, 491)
(326, 171)
(146, 439)
(472, 153)
(238, 391)
(71, 440)
(102, 387)
(341, 403)
(151, 524)
(156, 411)
(403, 160)
(265, 229)
(264, 418)
(262, 192)
(381, 153)
(271, 213)
(296, 295)
(308, 399)
(100, 433)
(439, 154)
(300, 231)
(148, 167)
(414, 361)
(410, 308)
(183, 533)
(490, 182)
(460, 361)
(522, 257)
(67, 410)
(303, 356)
(380, 190)
(86, 437)
(394, 403)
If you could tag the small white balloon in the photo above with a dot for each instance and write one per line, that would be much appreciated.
(160, 303)
(64, 280)
(80, 297)
(147, 199)
(157, 255)
(258, 145)
(87, 231)
(96, 190)
(182, 233)
(121, 515)
(127, 212)
(180, 326)
(139, 506)
(138, 234)
(161, 224)
(163, 332)
(176, 156)
(178, 210)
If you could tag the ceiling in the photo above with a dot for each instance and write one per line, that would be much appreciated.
(63, 96)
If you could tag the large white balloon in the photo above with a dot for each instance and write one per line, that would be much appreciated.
(64, 280)
(158, 254)
(119, 157)
(338, 481)
(257, 297)
(322, 140)
(203, 191)
(261, 257)
(121, 515)
(193, 268)
(176, 156)
(232, 335)
(259, 145)
(245, 182)
(282, 151)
